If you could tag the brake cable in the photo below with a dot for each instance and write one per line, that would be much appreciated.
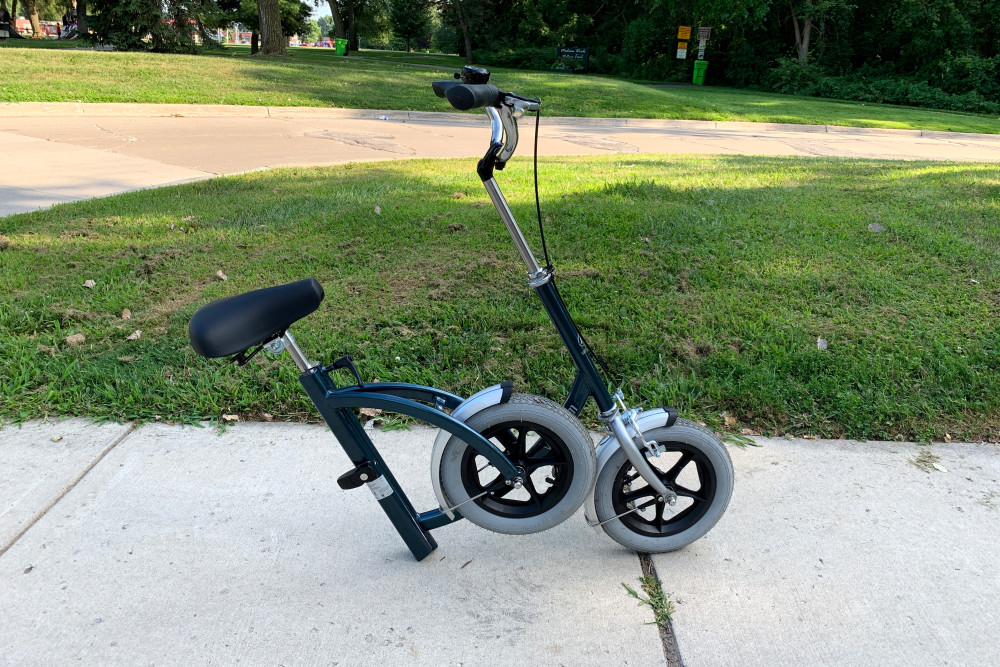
(551, 269)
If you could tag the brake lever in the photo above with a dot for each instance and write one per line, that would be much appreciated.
(509, 123)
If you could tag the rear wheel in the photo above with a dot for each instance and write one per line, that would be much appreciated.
(695, 465)
(545, 442)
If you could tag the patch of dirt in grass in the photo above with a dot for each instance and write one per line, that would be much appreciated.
(159, 313)
(423, 273)
(693, 351)
(588, 272)
(75, 315)
(151, 263)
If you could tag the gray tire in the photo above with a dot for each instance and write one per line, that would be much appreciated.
(696, 465)
(542, 438)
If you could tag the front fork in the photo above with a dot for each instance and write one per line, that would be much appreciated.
(624, 428)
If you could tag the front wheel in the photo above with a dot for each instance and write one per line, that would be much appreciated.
(695, 465)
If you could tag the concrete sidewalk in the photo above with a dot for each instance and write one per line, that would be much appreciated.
(180, 545)
(66, 152)
(184, 546)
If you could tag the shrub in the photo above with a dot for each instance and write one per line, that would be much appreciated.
(902, 91)
(522, 58)
(961, 74)
(792, 77)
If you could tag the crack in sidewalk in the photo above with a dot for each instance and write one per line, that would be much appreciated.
(671, 653)
(66, 489)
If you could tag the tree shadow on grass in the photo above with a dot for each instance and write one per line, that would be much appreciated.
(707, 280)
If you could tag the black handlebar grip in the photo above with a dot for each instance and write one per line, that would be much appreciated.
(473, 96)
(441, 87)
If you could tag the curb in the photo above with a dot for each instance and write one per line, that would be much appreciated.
(144, 110)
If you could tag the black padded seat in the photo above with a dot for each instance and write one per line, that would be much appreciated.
(231, 325)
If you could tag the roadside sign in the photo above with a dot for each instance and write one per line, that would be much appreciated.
(682, 45)
(684, 32)
(704, 34)
(701, 50)
(574, 53)
(682, 54)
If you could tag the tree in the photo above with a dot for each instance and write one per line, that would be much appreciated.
(807, 14)
(272, 42)
(292, 15)
(465, 30)
(310, 31)
(325, 24)
(409, 19)
(352, 27)
(125, 24)
(31, 8)
(338, 23)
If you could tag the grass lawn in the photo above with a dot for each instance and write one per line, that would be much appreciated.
(317, 77)
(706, 280)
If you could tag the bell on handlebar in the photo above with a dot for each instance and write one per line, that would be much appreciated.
(472, 74)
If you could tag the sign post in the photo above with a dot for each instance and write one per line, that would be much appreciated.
(703, 36)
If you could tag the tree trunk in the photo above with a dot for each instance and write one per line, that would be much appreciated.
(352, 38)
(254, 42)
(81, 18)
(465, 32)
(272, 41)
(802, 34)
(31, 7)
(338, 23)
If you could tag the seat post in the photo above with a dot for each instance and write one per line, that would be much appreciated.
(296, 352)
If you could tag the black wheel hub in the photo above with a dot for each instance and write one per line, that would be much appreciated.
(543, 461)
(654, 517)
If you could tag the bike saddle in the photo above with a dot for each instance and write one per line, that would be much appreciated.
(234, 324)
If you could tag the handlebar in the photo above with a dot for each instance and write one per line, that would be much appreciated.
(473, 92)
(465, 96)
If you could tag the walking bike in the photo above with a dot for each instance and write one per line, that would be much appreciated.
(509, 462)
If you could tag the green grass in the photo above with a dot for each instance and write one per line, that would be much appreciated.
(705, 281)
(413, 58)
(317, 77)
(659, 603)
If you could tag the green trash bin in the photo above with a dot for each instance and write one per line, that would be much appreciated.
(700, 67)
(340, 46)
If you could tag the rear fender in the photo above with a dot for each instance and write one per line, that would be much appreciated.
(487, 398)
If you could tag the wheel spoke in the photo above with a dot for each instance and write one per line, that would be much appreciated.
(639, 493)
(535, 497)
(660, 505)
(676, 469)
(502, 493)
(535, 464)
(688, 493)
(520, 445)
(507, 439)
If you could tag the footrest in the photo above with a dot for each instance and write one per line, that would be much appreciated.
(352, 479)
